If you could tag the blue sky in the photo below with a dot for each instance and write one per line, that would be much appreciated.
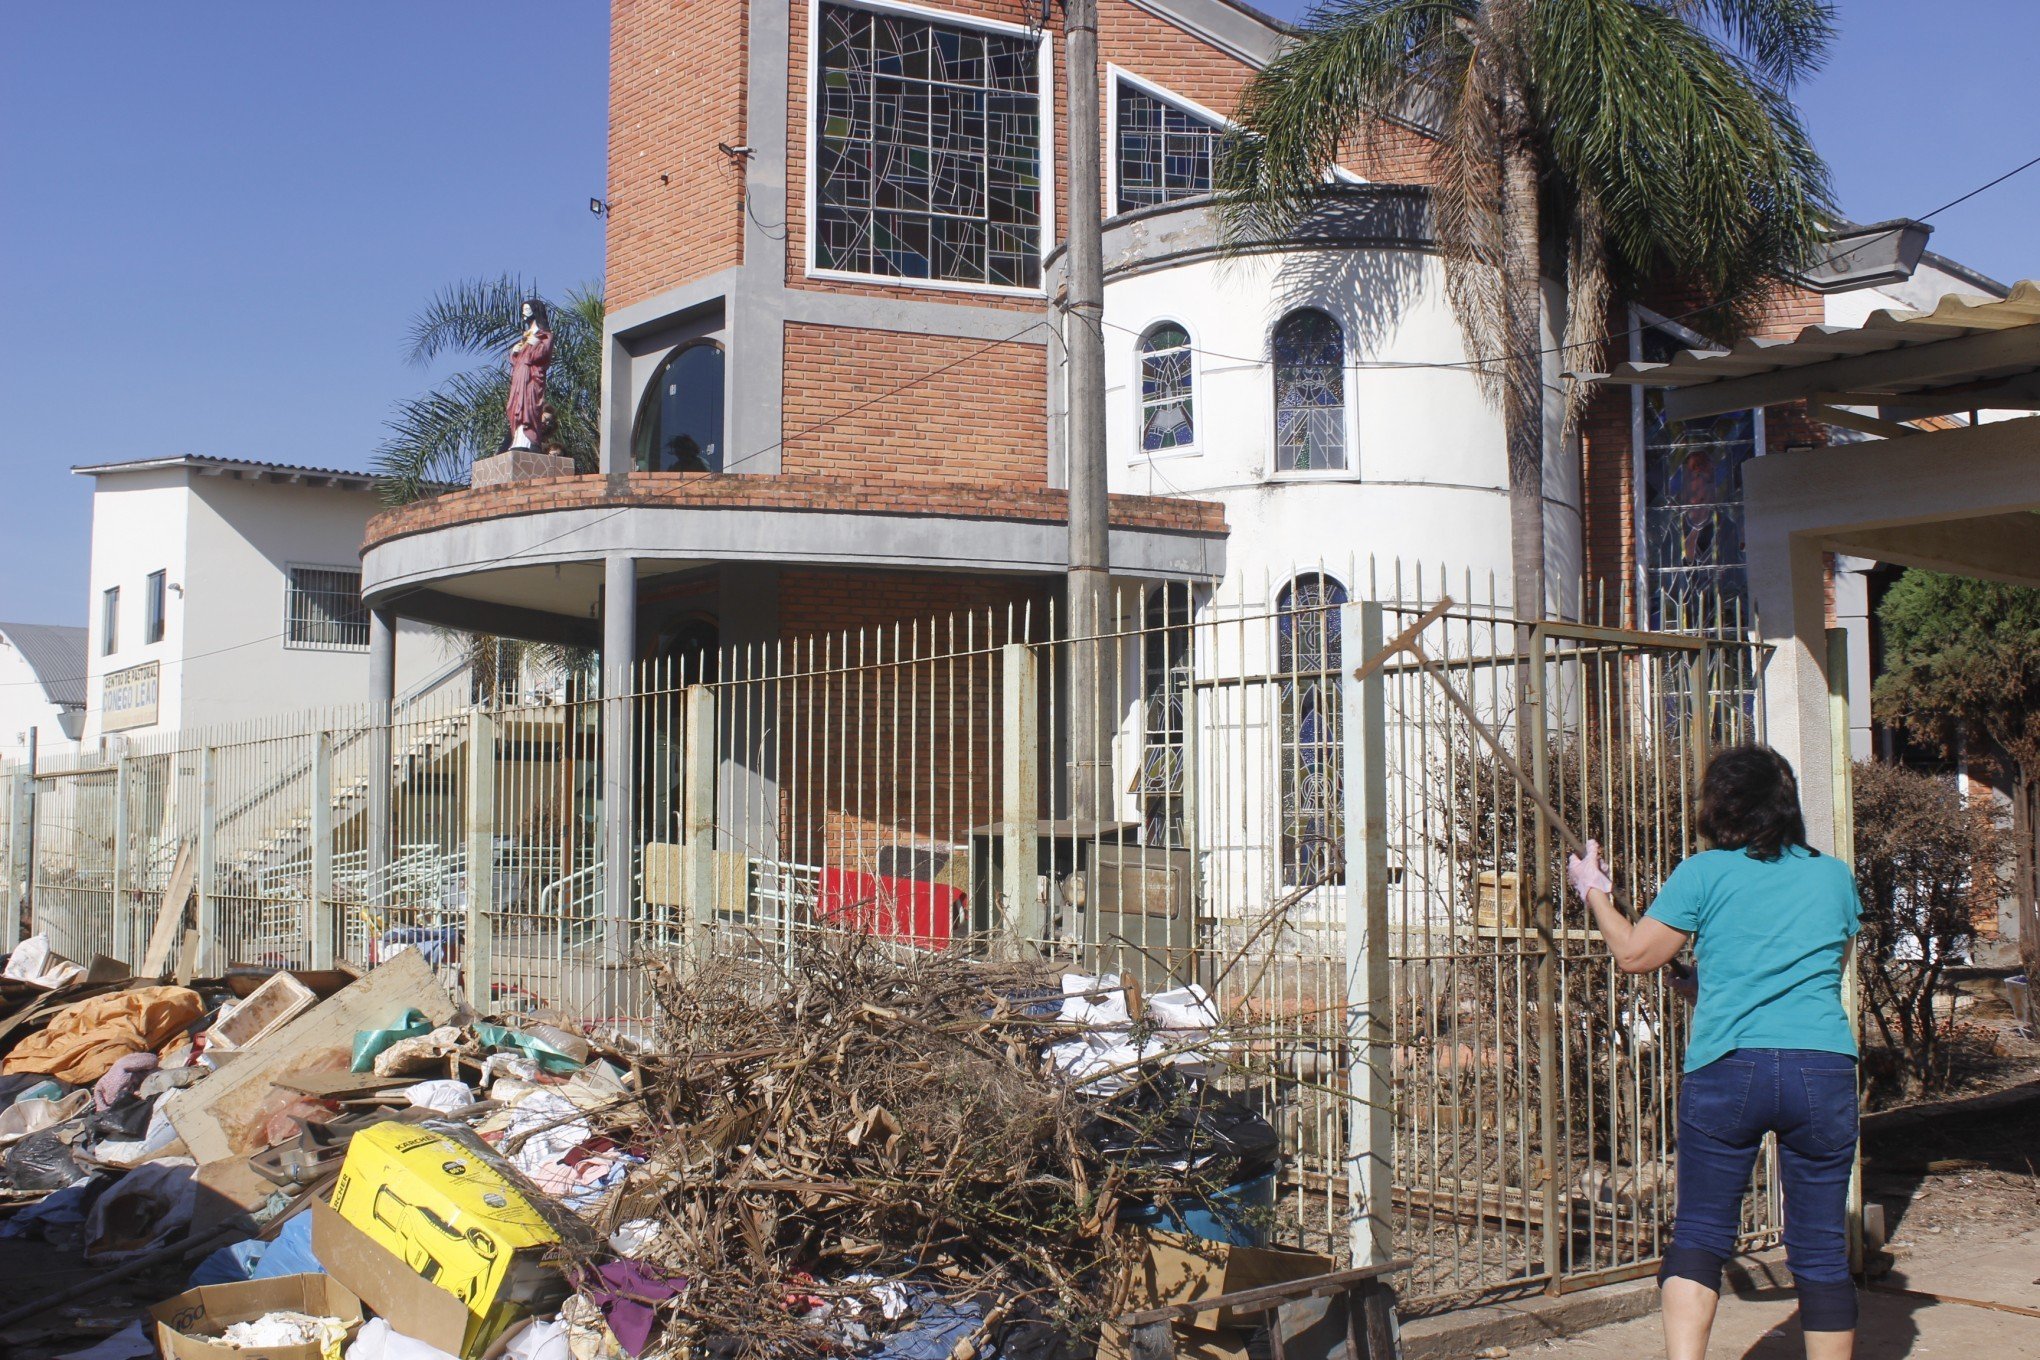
(216, 219)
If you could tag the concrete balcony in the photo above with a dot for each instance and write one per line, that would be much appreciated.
(527, 558)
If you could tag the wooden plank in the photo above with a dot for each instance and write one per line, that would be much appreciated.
(1401, 641)
(225, 1115)
(1268, 1295)
(339, 1085)
(170, 915)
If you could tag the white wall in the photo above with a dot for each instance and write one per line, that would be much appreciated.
(228, 543)
(24, 707)
(140, 522)
(1427, 476)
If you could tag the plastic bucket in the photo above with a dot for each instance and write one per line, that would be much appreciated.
(1236, 1215)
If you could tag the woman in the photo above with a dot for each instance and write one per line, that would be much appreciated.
(1771, 1049)
(530, 357)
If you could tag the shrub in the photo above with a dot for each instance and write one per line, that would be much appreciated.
(1926, 865)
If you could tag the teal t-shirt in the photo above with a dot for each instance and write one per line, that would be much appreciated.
(1769, 940)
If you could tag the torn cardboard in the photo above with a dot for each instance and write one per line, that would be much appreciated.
(399, 1295)
(1178, 1268)
(188, 1326)
(226, 1115)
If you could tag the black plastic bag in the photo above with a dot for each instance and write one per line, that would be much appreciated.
(125, 1122)
(42, 1161)
(1167, 1120)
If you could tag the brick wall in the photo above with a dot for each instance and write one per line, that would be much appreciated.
(676, 88)
(911, 756)
(984, 418)
(871, 492)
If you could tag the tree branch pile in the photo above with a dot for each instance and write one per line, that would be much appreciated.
(868, 1110)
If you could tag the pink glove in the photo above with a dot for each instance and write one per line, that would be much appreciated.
(1588, 874)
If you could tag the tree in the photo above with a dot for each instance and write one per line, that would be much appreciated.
(1963, 656)
(1925, 865)
(1623, 143)
(434, 438)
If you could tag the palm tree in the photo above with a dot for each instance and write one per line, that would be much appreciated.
(434, 438)
(1622, 143)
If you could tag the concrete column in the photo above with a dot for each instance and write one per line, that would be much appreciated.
(619, 653)
(321, 911)
(478, 955)
(1852, 615)
(1020, 920)
(1370, 1121)
(382, 701)
(1789, 595)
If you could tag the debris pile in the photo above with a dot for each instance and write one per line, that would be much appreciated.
(864, 1149)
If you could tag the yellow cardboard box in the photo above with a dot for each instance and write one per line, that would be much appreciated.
(438, 1204)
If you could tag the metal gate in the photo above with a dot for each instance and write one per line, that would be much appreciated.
(1535, 1084)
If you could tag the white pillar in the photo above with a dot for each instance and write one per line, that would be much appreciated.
(619, 653)
(382, 699)
(1370, 1089)
(1852, 615)
(1788, 591)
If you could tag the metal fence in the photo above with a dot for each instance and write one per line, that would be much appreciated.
(1346, 864)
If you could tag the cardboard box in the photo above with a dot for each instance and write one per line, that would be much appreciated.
(279, 1000)
(188, 1326)
(1182, 1269)
(399, 1295)
(439, 1206)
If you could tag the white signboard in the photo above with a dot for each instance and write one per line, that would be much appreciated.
(128, 698)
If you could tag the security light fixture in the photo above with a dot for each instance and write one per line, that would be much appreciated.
(598, 207)
(733, 152)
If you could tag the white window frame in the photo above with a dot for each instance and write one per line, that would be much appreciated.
(290, 584)
(1641, 317)
(1114, 76)
(1141, 453)
(1044, 79)
(156, 607)
(1349, 414)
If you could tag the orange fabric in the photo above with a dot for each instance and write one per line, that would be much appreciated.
(85, 1040)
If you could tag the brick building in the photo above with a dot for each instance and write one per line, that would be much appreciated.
(834, 373)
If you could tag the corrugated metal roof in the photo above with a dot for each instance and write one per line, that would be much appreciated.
(352, 479)
(1955, 316)
(56, 653)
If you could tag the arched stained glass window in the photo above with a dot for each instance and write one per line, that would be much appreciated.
(680, 422)
(1310, 393)
(1167, 414)
(1165, 680)
(1307, 666)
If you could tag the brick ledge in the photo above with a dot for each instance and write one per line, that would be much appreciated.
(698, 491)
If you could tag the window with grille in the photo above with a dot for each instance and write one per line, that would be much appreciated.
(1312, 780)
(324, 609)
(1167, 420)
(1164, 152)
(1165, 682)
(928, 144)
(1310, 393)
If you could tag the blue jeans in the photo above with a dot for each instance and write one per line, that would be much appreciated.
(1806, 1097)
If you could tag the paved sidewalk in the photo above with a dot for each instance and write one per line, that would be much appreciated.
(1759, 1323)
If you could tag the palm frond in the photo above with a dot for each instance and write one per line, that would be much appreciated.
(1353, 58)
(1785, 40)
(434, 438)
(473, 316)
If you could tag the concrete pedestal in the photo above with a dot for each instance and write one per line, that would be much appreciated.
(515, 465)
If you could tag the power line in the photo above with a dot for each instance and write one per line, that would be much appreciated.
(490, 563)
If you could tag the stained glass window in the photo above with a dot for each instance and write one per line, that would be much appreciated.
(927, 146)
(1692, 554)
(1166, 418)
(1165, 679)
(1164, 152)
(1307, 652)
(1310, 392)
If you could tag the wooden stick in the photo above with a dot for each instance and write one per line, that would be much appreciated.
(1402, 641)
(1992, 1304)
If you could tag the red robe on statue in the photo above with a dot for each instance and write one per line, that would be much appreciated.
(528, 363)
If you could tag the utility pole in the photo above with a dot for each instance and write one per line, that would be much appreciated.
(1084, 342)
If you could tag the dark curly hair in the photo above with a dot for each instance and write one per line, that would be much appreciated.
(1749, 801)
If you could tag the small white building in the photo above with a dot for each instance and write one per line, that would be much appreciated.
(224, 590)
(42, 688)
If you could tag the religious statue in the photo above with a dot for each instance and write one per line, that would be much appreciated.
(529, 359)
